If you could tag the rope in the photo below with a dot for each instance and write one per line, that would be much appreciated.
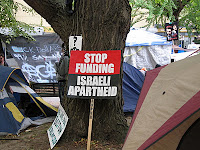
(133, 53)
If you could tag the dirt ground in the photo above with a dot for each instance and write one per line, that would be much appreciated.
(36, 138)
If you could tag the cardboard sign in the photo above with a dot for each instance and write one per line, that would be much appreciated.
(58, 126)
(94, 74)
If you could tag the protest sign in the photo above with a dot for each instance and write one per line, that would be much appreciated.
(171, 31)
(58, 126)
(94, 74)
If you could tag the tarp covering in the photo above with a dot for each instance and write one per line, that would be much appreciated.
(37, 58)
(147, 56)
(146, 49)
(12, 114)
(132, 84)
(139, 37)
(168, 105)
(179, 56)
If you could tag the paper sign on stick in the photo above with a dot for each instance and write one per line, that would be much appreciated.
(94, 74)
(58, 126)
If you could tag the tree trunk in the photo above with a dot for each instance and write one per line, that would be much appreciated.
(103, 25)
(1, 48)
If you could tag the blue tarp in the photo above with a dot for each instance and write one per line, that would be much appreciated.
(139, 37)
(132, 84)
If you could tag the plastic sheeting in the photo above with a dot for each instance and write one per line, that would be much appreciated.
(180, 56)
(148, 56)
(146, 49)
(139, 37)
(28, 122)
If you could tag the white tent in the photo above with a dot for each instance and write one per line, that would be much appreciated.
(180, 56)
(146, 49)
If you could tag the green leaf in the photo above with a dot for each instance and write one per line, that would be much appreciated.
(8, 9)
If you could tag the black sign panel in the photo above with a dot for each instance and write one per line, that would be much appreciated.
(94, 74)
(171, 30)
(37, 58)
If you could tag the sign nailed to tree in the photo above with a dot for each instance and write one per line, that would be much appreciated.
(171, 31)
(94, 74)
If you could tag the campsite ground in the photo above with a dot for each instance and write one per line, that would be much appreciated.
(36, 138)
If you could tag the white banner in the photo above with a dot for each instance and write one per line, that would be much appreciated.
(58, 126)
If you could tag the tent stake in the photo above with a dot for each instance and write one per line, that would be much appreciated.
(90, 123)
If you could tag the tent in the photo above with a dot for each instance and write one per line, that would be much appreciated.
(132, 84)
(183, 55)
(168, 109)
(146, 49)
(18, 102)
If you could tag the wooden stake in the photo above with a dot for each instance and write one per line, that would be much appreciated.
(172, 46)
(90, 123)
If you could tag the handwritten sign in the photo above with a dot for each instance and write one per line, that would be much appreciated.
(37, 58)
(94, 74)
(75, 43)
(57, 128)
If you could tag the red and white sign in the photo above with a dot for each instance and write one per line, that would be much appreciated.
(95, 62)
(94, 74)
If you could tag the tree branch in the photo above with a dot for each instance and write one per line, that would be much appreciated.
(180, 5)
(48, 9)
(54, 11)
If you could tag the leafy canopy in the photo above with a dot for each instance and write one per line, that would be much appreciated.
(186, 12)
(8, 20)
(190, 16)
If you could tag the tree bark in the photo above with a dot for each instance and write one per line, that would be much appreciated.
(103, 25)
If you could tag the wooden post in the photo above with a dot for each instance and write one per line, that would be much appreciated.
(172, 46)
(90, 123)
